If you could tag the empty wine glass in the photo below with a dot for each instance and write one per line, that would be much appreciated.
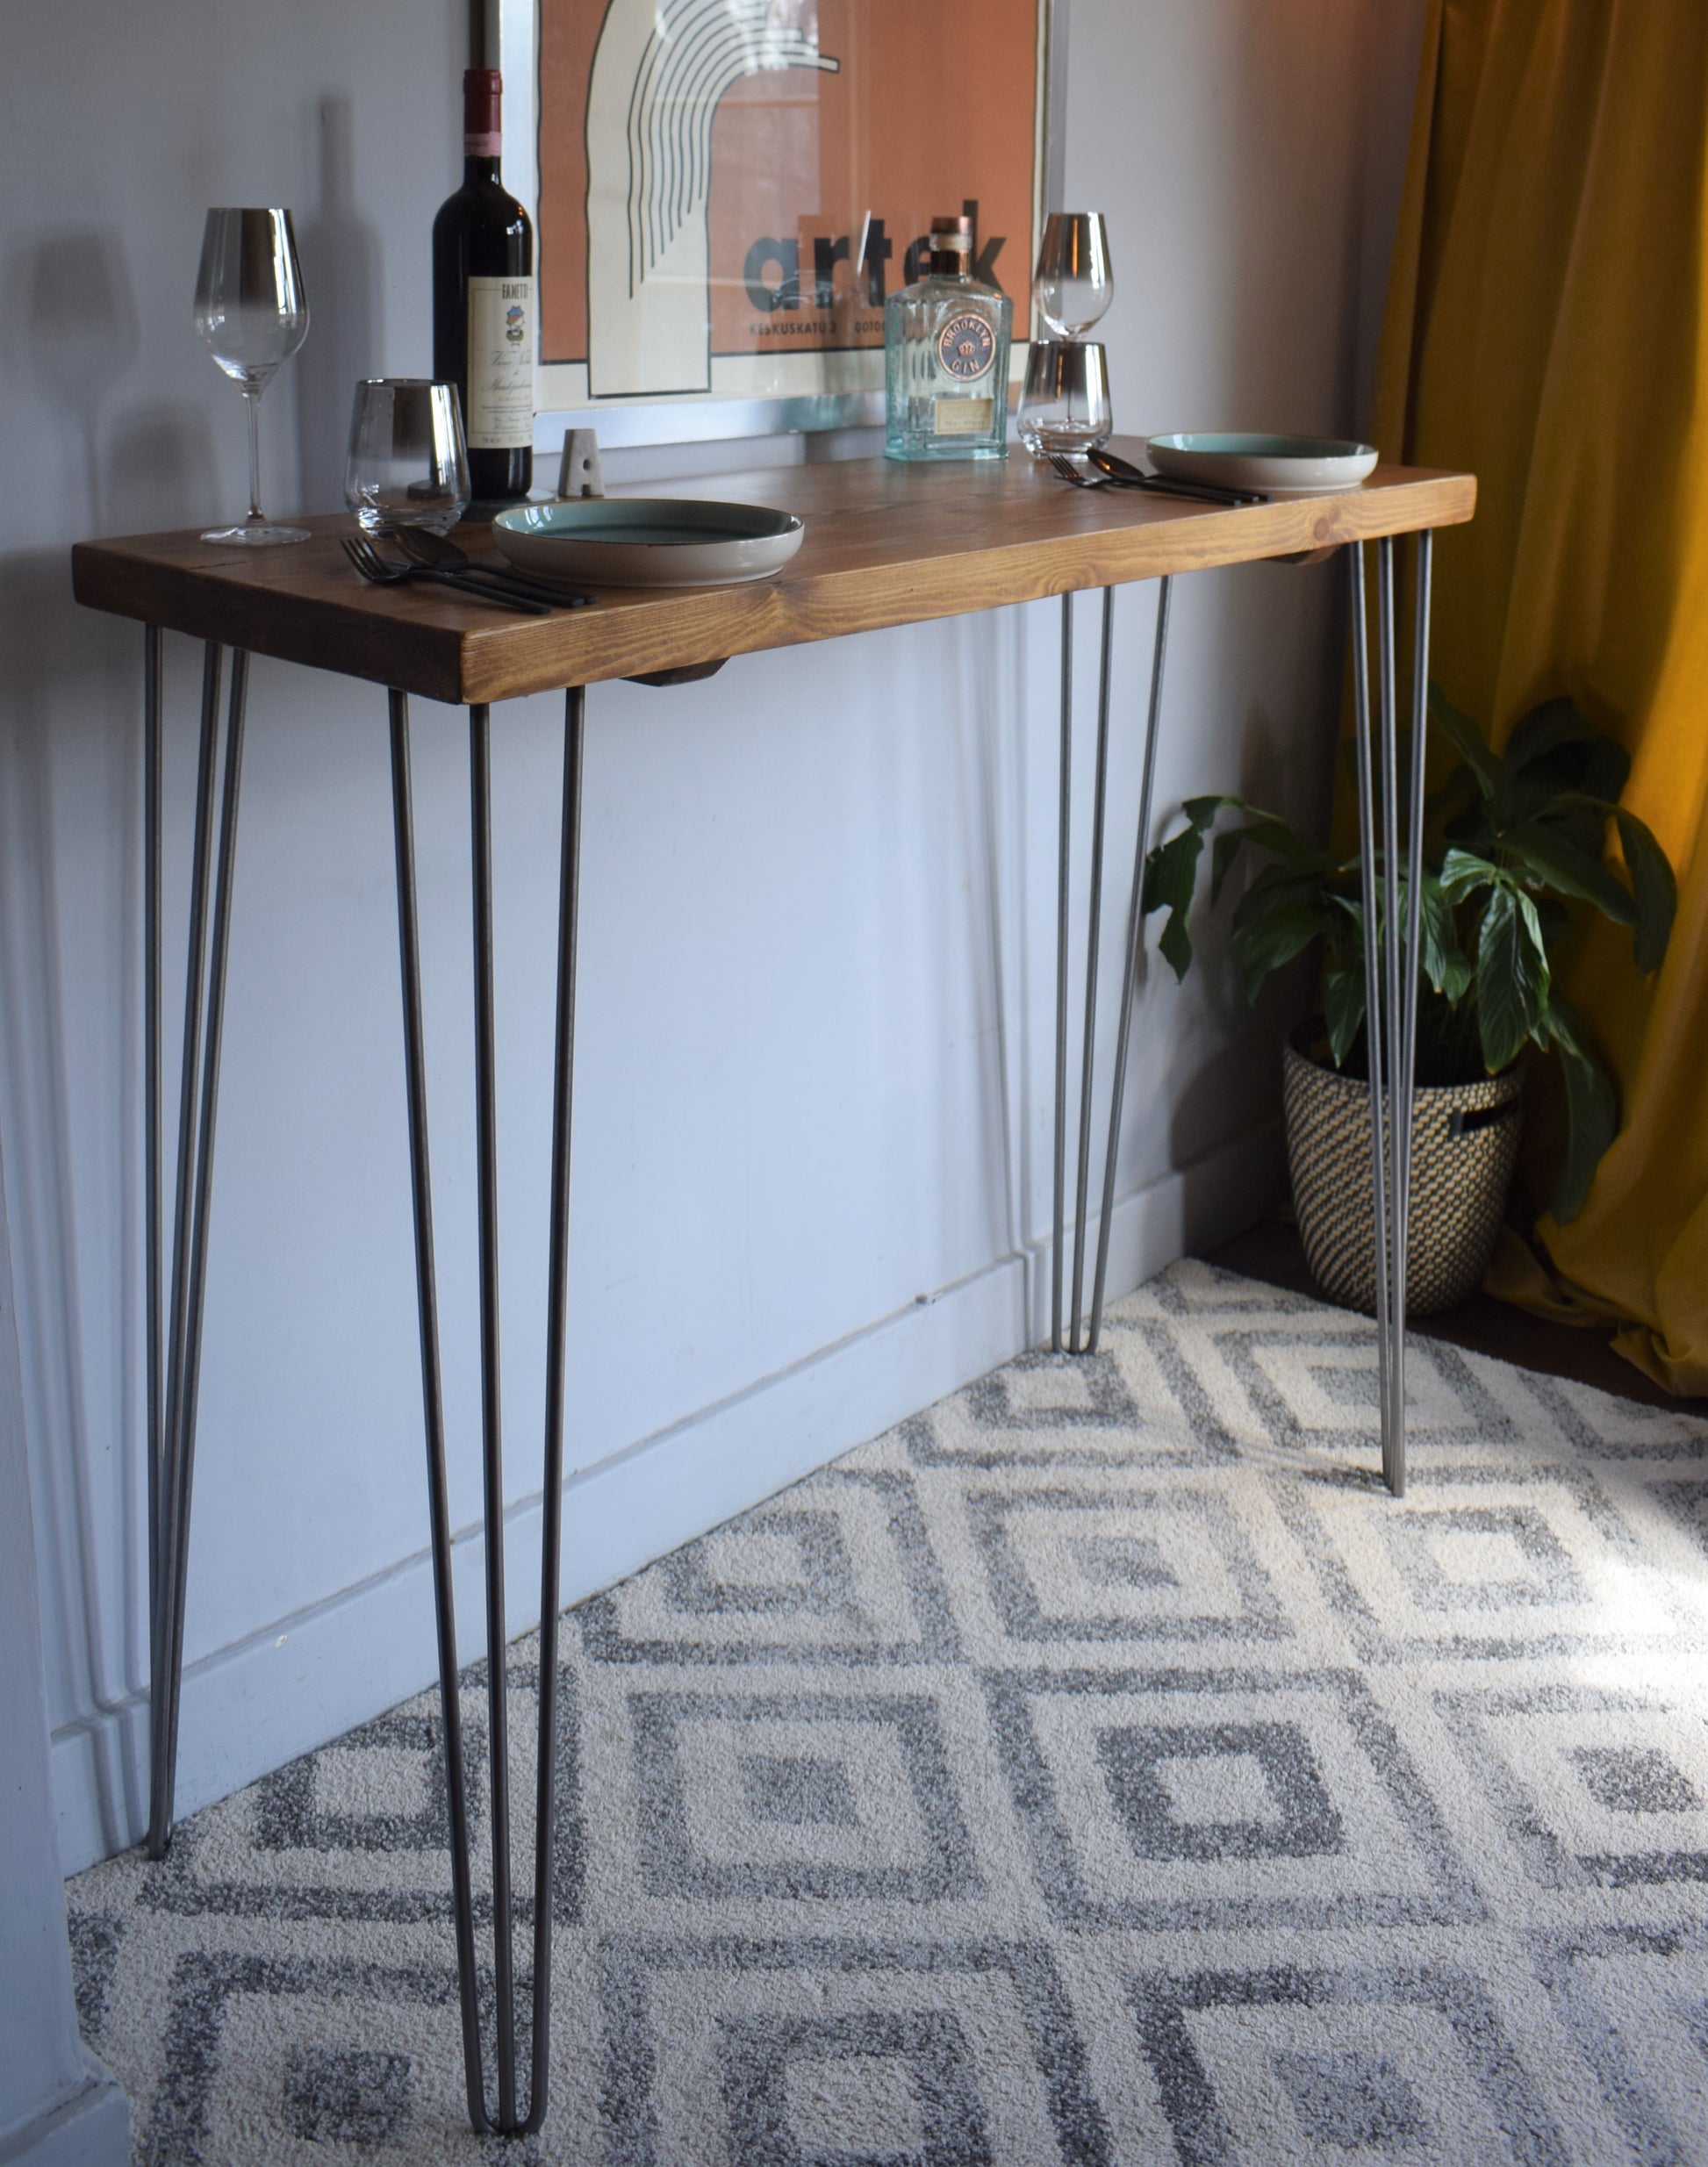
(251, 309)
(408, 466)
(1064, 406)
(1072, 285)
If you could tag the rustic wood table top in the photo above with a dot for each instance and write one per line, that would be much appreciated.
(887, 543)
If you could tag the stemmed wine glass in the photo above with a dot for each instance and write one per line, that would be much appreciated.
(1072, 285)
(251, 309)
(1064, 406)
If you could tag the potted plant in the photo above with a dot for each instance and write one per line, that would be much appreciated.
(1511, 841)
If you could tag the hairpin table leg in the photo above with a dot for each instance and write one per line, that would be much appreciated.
(1100, 793)
(1392, 922)
(1063, 792)
(506, 2119)
(1129, 963)
(172, 1440)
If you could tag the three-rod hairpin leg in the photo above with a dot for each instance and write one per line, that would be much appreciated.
(1392, 905)
(1075, 1342)
(507, 2118)
(174, 1343)
(1391, 922)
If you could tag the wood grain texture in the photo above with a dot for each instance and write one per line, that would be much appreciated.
(886, 544)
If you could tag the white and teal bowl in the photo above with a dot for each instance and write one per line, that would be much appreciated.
(1266, 463)
(647, 542)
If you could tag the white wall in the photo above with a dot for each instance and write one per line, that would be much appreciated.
(812, 1183)
(58, 2106)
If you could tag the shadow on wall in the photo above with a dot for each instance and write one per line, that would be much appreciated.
(340, 260)
(61, 664)
(74, 333)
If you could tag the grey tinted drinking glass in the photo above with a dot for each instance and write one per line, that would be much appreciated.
(408, 466)
(251, 309)
(1072, 285)
(1066, 403)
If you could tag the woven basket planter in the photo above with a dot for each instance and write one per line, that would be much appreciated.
(1464, 1146)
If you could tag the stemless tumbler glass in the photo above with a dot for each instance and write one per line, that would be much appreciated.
(1066, 404)
(251, 309)
(1072, 284)
(408, 465)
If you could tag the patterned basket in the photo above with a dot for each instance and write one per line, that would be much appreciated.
(1464, 1143)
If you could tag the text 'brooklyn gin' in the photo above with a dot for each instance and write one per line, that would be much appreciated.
(946, 358)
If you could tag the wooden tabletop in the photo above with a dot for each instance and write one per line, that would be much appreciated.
(887, 543)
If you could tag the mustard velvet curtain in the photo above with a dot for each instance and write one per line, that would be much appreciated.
(1545, 329)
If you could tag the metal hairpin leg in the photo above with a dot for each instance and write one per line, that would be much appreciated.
(172, 1431)
(1075, 1342)
(1390, 980)
(1099, 793)
(1064, 790)
(1131, 960)
(507, 2120)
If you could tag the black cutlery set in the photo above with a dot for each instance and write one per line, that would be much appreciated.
(439, 561)
(1108, 470)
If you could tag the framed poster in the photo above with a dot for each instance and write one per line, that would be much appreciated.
(725, 190)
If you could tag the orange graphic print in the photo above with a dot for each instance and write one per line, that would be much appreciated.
(741, 182)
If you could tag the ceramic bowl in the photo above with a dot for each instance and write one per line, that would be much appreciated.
(647, 542)
(1266, 463)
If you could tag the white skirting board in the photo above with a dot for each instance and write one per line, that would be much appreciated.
(256, 1704)
(90, 2128)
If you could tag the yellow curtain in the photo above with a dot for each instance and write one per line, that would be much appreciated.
(1545, 329)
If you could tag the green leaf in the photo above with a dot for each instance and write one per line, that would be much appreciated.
(1653, 886)
(1268, 940)
(1544, 730)
(1553, 916)
(1512, 976)
(1551, 856)
(1446, 964)
(1530, 924)
(1593, 1112)
(1457, 794)
(1264, 833)
(1171, 874)
(1467, 742)
(1463, 872)
(1606, 770)
(1343, 1005)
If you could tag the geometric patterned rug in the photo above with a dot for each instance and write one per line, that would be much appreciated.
(1099, 1768)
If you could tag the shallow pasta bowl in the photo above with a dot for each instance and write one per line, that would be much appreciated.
(1268, 462)
(648, 542)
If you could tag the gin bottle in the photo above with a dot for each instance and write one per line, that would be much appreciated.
(946, 358)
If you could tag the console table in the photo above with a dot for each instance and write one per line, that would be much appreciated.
(886, 544)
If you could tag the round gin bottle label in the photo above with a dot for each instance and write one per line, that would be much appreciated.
(966, 347)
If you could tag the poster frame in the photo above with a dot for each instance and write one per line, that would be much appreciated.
(710, 416)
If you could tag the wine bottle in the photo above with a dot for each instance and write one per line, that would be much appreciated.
(482, 304)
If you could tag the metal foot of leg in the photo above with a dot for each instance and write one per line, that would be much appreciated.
(1391, 901)
(506, 2119)
(172, 1434)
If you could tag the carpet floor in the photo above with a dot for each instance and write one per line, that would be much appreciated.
(1099, 1767)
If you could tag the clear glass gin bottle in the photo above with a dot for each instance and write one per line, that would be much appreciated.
(946, 358)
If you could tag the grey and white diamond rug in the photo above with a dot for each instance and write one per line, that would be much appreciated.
(1099, 1768)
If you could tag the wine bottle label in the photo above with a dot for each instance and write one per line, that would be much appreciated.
(500, 401)
(483, 144)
